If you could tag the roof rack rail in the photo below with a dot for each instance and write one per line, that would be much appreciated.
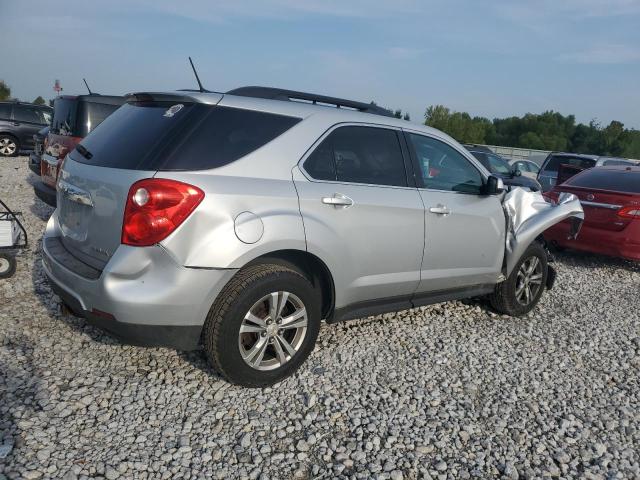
(291, 95)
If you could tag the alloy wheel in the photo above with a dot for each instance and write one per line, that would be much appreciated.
(529, 280)
(273, 330)
(7, 146)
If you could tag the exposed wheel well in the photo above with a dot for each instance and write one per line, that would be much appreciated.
(311, 267)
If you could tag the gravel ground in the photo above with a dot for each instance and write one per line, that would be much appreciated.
(448, 391)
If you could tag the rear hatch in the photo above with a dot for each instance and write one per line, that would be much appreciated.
(151, 133)
(96, 176)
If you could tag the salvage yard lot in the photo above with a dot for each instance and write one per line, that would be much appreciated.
(447, 391)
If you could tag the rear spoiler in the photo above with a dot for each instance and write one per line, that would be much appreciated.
(160, 97)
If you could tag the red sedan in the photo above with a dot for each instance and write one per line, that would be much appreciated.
(610, 197)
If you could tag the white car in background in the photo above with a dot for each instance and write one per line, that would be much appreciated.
(527, 167)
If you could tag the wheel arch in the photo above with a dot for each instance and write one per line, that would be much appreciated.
(310, 266)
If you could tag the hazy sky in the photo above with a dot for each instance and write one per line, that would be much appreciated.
(490, 58)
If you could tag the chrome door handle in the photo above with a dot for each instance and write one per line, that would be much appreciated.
(338, 200)
(440, 210)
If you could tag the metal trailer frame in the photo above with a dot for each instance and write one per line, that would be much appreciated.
(9, 252)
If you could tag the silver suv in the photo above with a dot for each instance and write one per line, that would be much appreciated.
(239, 221)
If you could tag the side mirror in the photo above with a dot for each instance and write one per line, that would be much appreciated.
(515, 172)
(493, 186)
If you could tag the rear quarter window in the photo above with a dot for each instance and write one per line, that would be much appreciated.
(174, 137)
(615, 180)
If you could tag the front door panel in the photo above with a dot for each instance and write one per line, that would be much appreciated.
(465, 246)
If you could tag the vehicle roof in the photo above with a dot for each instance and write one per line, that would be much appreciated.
(298, 109)
(17, 102)
(575, 155)
(623, 168)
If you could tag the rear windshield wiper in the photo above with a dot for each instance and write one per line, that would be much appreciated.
(84, 152)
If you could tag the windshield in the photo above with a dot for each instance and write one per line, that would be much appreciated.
(493, 163)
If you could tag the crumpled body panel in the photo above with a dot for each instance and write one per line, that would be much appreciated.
(529, 214)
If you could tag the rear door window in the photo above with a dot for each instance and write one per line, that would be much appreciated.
(168, 136)
(604, 179)
(27, 114)
(556, 160)
(355, 154)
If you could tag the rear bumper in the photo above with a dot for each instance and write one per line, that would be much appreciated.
(624, 244)
(180, 337)
(142, 296)
(45, 193)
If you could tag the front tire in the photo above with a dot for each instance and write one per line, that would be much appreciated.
(9, 146)
(521, 292)
(263, 325)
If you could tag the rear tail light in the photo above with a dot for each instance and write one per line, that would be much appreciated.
(631, 211)
(155, 208)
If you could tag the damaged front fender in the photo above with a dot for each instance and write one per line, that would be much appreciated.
(529, 214)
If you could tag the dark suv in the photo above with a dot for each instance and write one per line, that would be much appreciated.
(73, 118)
(18, 123)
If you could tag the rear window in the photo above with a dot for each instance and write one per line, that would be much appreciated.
(617, 162)
(616, 180)
(76, 118)
(556, 160)
(64, 116)
(169, 136)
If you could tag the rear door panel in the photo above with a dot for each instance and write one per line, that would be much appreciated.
(374, 247)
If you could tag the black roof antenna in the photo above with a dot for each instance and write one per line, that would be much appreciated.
(87, 85)
(202, 89)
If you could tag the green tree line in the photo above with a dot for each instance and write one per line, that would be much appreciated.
(545, 131)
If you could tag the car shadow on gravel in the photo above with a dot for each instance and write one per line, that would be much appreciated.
(38, 207)
(580, 259)
(54, 305)
(59, 312)
(23, 393)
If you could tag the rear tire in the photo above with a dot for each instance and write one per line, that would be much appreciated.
(9, 145)
(7, 265)
(268, 349)
(521, 292)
